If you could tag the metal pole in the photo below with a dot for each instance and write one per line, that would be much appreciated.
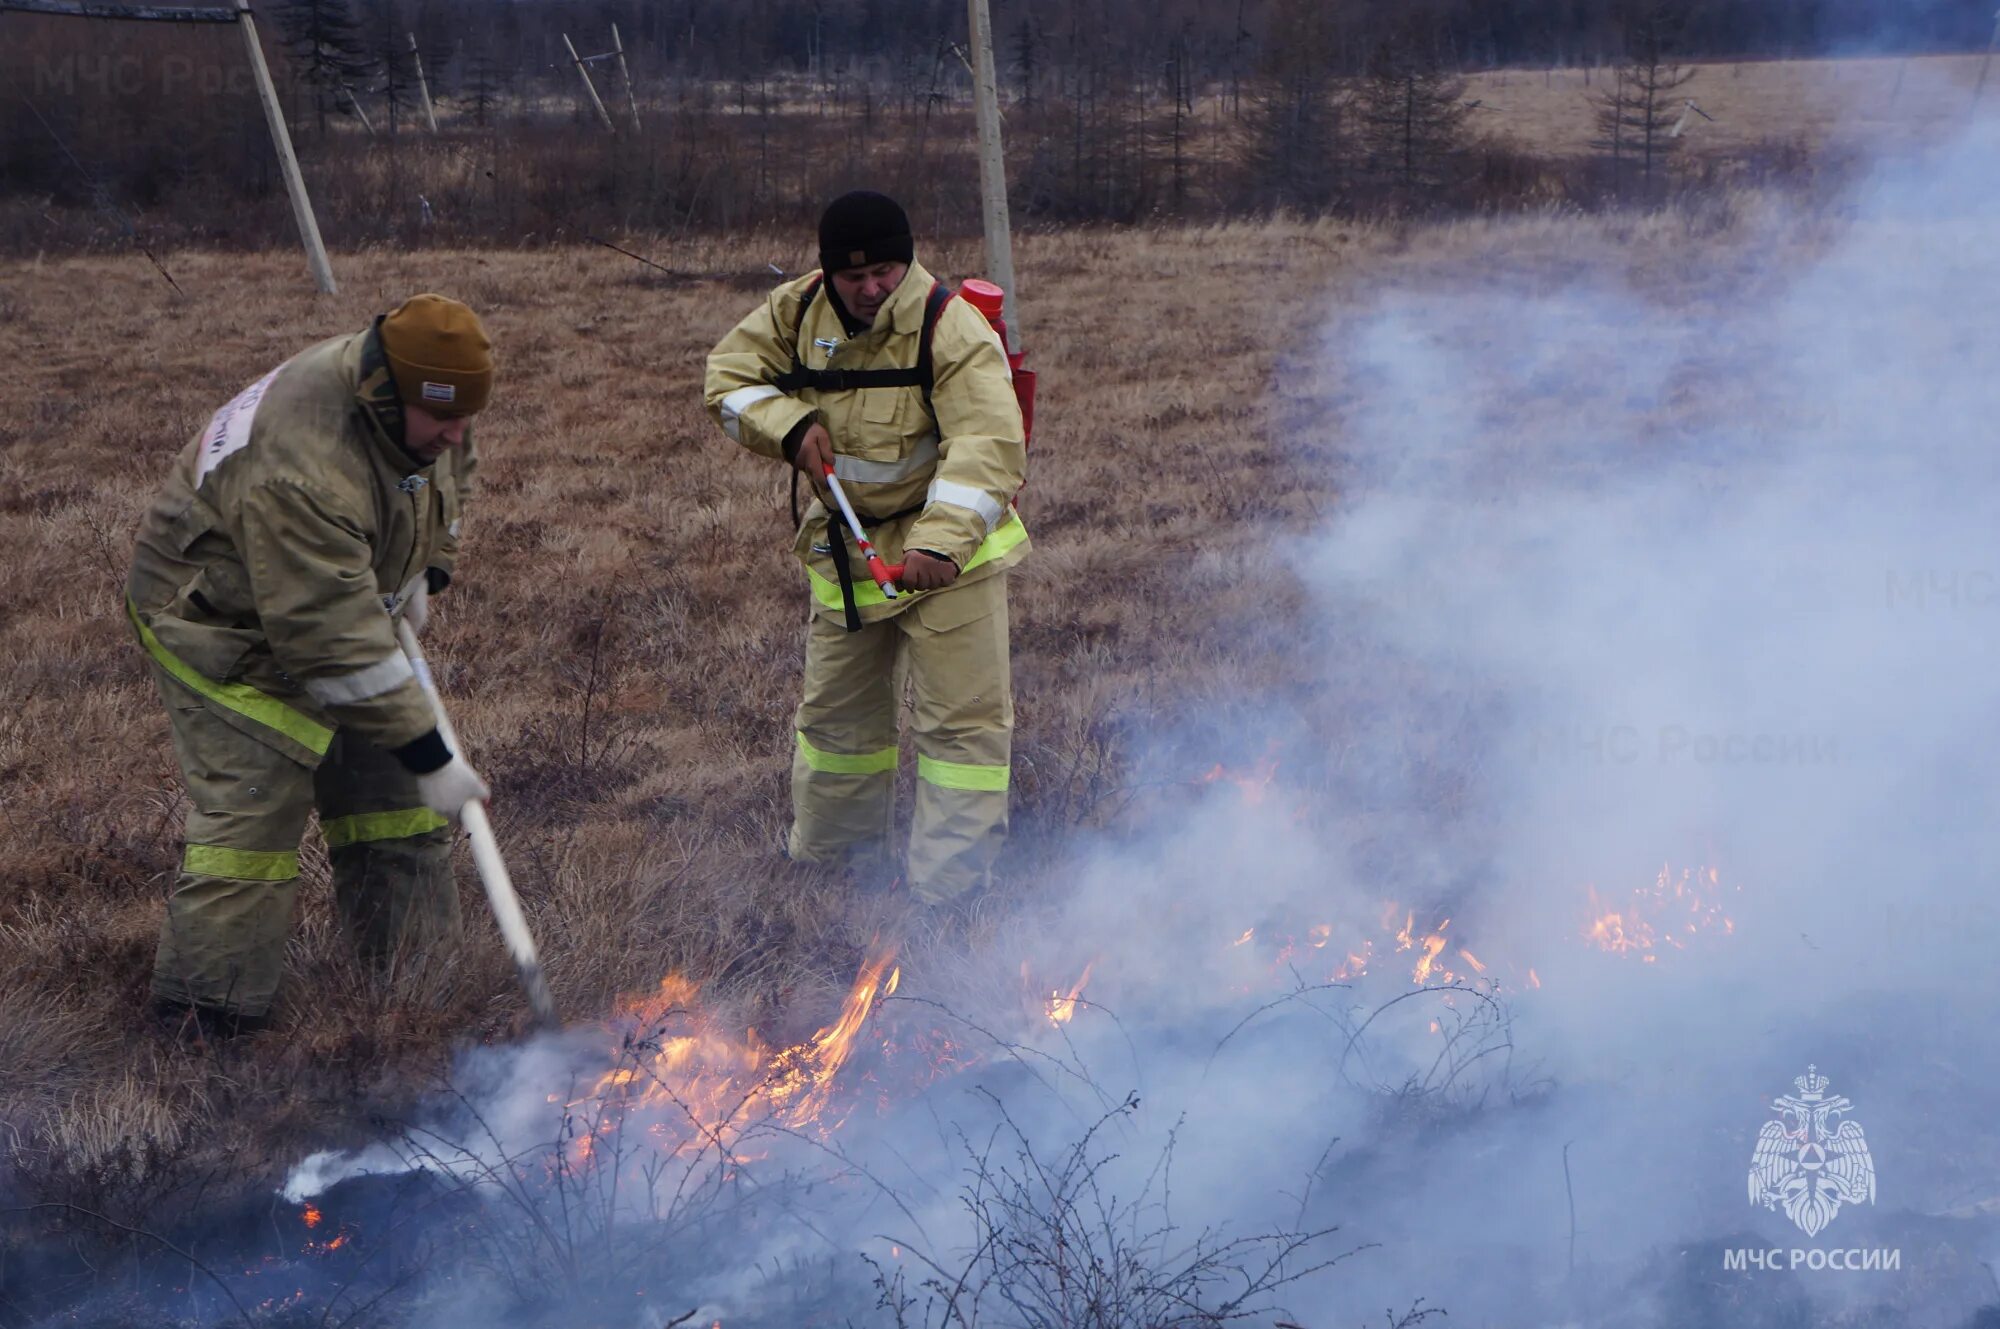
(589, 87)
(423, 86)
(486, 854)
(295, 183)
(993, 169)
(631, 99)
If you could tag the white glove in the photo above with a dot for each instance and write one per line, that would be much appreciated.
(450, 787)
(414, 605)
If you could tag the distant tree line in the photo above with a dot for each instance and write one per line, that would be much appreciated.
(1219, 38)
(749, 111)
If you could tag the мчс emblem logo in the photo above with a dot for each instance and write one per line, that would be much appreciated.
(1809, 1163)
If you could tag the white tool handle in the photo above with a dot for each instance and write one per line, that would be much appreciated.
(486, 853)
(846, 509)
(854, 525)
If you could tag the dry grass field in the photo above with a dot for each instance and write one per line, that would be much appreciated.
(622, 645)
(1816, 105)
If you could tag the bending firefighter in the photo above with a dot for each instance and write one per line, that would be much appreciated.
(317, 507)
(873, 369)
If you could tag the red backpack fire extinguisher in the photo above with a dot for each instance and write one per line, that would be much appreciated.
(990, 300)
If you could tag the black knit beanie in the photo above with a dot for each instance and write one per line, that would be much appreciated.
(862, 228)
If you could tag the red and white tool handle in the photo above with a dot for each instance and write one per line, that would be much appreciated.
(886, 575)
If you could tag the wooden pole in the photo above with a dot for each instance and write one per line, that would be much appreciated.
(583, 73)
(423, 86)
(360, 111)
(281, 138)
(993, 169)
(631, 99)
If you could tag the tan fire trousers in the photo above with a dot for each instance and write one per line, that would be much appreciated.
(230, 915)
(952, 647)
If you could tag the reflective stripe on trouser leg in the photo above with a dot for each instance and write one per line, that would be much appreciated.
(222, 944)
(391, 857)
(844, 749)
(964, 722)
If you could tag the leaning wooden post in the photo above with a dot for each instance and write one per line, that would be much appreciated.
(360, 111)
(295, 183)
(993, 169)
(589, 87)
(631, 99)
(423, 86)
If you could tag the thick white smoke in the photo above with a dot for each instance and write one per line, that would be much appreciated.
(1689, 572)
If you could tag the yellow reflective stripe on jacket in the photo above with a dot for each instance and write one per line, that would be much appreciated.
(245, 700)
(866, 592)
(367, 827)
(212, 860)
(840, 763)
(961, 774)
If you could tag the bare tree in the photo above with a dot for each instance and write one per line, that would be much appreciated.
(1180, 90)
(1296, 150)
(484, 82)
(1027, 59)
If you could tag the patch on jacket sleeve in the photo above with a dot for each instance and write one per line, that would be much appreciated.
(440, 392)
(228, 430)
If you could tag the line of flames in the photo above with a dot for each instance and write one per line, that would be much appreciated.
(717, 1083)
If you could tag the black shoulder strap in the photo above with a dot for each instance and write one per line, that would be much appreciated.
(848, 380)
(934, 304)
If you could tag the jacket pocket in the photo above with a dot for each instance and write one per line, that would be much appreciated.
(216, 653)
(218, 596)
(883, 406)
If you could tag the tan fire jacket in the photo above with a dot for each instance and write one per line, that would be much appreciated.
(952, 469)
(288, 532)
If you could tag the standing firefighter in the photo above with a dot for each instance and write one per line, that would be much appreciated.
(316, 508)
(871, 368)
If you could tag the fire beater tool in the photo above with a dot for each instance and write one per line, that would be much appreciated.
(486, 854)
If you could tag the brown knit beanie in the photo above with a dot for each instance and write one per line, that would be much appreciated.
(440, 355)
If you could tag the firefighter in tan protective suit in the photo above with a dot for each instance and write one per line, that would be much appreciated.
(315, 509)
(871, 367)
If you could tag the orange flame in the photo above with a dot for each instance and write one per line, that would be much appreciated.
(807, 1071)
(716, 1084)
(1675, 910)
(1062, 1009)
(1254, 784)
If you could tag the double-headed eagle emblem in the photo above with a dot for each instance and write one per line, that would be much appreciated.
(1808, 1162)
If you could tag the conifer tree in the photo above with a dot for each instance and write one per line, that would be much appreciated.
(324, 44)
(1410, 114)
